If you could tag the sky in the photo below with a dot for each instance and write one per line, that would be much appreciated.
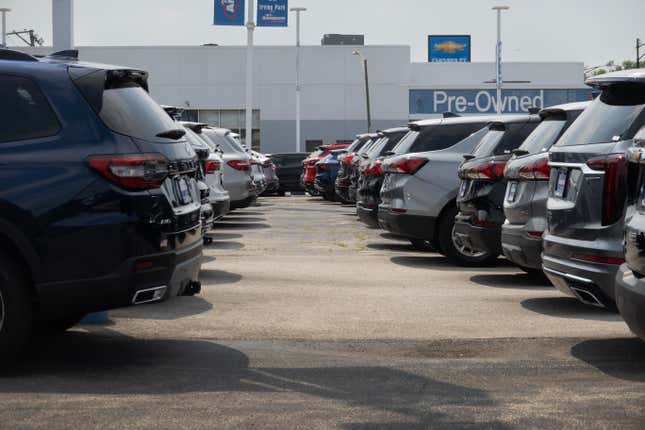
(591, 31)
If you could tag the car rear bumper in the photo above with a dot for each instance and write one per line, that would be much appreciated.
(369, 216)
(630, 299)
(485, 239)
(411, 226)
(520, 248)
(221, 208)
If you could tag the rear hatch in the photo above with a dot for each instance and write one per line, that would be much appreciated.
(588, 168)
(120, 98)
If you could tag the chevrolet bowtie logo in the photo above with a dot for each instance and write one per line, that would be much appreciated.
(449, 47)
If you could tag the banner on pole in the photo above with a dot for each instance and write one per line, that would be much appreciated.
(273, 13)
(229, 12)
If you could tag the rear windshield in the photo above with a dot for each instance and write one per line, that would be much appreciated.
(405, 142)
(129, 110)
(194, 139)
(392, 140)
(614, 116)
(498, 142)
(443, 136)
(544, 135)
(281, 160)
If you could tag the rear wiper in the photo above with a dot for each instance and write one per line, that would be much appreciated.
(390, 153)
(469, 156)
(519, 152)
(175, 134)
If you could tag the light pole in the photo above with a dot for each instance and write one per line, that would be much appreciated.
(498, 59)
(4, 11)
(639, 44)
(250, 26)
(367, 89)
(298, 10)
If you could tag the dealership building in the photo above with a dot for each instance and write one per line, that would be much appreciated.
(209, 83)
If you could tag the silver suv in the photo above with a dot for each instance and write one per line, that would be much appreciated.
(583, 244)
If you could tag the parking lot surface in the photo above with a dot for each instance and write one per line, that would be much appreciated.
(309, 320)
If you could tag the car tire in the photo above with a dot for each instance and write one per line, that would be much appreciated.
(16, 309)
(281, 193)
(61, 324)
(422, 245)
(449, 247)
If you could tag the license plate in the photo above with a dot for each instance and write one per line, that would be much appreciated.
(462, 188)
(184, 192)
(512, 192)
(561, 184)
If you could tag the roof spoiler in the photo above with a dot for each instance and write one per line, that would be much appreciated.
(450, 115)
(11, 55)
(69, 54)
(534, 110)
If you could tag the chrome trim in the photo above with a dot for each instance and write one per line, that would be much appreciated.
(578, 291)
(134, 299)
(581, 166)
(568, 276)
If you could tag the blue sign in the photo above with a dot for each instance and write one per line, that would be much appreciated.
(273, 13)
(229, 12)
(449, 49)
(484, 101)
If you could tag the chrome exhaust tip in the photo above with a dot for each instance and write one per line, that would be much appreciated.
(149, 295)
(587, 297)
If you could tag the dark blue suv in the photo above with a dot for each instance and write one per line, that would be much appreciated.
(99, 206)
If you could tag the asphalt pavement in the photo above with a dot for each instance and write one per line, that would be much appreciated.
(309, 320)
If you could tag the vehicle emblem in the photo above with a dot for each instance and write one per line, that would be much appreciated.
(449, 47)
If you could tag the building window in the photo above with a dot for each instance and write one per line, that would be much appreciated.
(234, 120)
(311, 145)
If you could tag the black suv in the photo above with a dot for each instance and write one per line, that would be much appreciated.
(99, 204)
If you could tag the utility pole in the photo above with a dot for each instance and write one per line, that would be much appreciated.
(367, 89)
(250, 26)
(298, 10)
(4, 11)
(498, 56)
(639, 45)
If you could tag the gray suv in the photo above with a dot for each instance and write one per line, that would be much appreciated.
(527, 174)
(583, 244)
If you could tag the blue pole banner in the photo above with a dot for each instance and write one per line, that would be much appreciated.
(273, 13)
(474, 101)
(229, 12)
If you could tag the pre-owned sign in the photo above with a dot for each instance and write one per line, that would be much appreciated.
(273, 13)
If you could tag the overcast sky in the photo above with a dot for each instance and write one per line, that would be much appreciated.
(592, 31)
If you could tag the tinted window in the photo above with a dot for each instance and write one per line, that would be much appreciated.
(544, 135)
(405, 142)
(444, 136)
(24, 111)
(131, 111)
(498, 142)
(616, 115)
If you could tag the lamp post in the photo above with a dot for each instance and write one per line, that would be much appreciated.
(4, 11)
(639, 44)
(250, 26)
(498, 56)
(298, 10)
(367, 89)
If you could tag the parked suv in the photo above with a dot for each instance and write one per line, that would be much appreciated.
(100, 206)
(343, 177)
(288, 168)
(583, 244)
(630, 280)
(420, 183)
(478, 224)
(527, 175)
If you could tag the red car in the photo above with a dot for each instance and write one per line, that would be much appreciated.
(309, 165)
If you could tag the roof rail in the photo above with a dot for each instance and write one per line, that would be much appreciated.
(450, 115)
(69, 54)
(11, 55)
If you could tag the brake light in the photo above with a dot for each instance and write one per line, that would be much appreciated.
(374, 168)
(348, 157)
(132, 171)
(212, 166)
(614, 187)
(537, 170)
(480, 223)
(241, 165)
(535, 233)
(406, 165)
(598, 259)
(490, 171)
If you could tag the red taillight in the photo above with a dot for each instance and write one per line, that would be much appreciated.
(374, 168)
(349, 157)
(241, 165)
(538, 170)
(212, 166)
(535, 233)
(479, 223)
(490, 171)
(133, 171)
(614, 187)
(598, 259)
(406, 165)
(398, 210)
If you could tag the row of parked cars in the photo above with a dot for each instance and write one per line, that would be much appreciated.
(557, 191)
(106, 197)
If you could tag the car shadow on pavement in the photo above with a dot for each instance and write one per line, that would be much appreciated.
(521, 280)
(391, 236)
(245, 213)
(399, 247)
(223, 236)
(225, 245)
(240, 226)
(568, 307)
(622, 358)
(218, 277)
(106, 362)
(179, 307)
(437, 262)
(243, 219)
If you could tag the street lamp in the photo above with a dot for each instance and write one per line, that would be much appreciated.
(498, 59)
(639, 44)
(367, 89)
(4, 11)
(298, 10)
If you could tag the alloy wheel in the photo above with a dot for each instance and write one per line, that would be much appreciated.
(464, 249)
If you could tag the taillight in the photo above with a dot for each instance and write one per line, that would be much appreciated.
(212, 166)
(537, 170)
(598, 259)
(374, 168)
(132, 171)
(349, 157)
(407, 165)
(490, 171)
(241, 165)
(614, 187)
